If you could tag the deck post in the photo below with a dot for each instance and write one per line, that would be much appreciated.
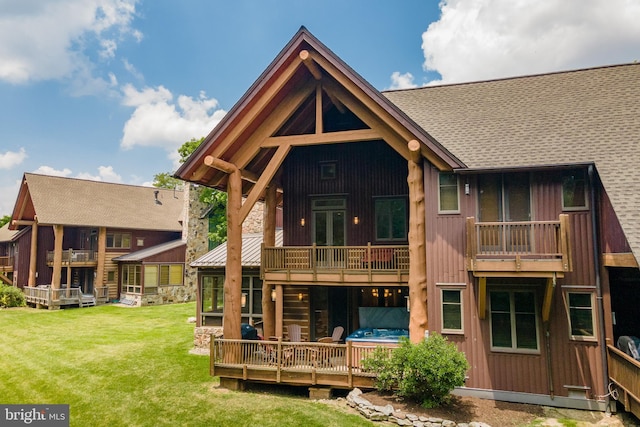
(58, 232)
(33, 255)
(418, 321)
(102, 250)
(269, 240)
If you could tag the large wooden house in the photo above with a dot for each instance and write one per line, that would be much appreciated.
(502, 214)
(79, 242)
(7, 254)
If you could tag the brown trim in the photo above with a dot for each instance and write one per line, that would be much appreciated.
(619, 260)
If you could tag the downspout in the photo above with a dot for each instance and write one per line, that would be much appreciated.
(596, 264)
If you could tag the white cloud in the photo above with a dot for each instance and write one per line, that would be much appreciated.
(159, 121)
(484, 39)
(48, 170)
(401, 81)
(9, 159)
(44, 40)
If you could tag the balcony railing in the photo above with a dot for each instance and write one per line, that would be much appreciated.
(74, 256)
(47, 296)
(302, 363)
(519, 246)
(335, 261)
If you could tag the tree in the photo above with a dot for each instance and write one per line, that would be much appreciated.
(5, 219)
(215, 199)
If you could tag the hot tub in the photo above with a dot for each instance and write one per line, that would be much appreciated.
(378, 336)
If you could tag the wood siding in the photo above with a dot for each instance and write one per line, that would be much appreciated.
(364, 170)
(574, 363)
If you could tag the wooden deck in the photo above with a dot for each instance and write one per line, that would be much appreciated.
(624, 372)
(294, 363)
(533, 248)
(45, 296)
(358, 265)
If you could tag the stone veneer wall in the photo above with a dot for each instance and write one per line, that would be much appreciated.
(195, 231)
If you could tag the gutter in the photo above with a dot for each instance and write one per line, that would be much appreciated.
(596, 263)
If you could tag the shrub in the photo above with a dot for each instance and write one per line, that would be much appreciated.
(11, 297)
(426, 372)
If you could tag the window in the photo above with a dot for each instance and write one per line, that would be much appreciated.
(448, 199)
(391, 219)
(574, 190)
(150, 279)
(118, 240)
(131, 279)
(328, 170)
(213, 299)
(140, 241)
(111, 276)
(514, 321)
(581, 315)
(451, 311)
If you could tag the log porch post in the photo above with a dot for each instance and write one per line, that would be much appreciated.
(33, 254)
(269, 239)
(58, 232)
(102, 252)
(418, 321)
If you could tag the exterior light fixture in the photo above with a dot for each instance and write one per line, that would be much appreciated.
(273, 294)
(243, 300)
(300, 297)
(302, 222)
(356, 220)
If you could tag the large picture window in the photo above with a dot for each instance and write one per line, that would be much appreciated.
(132, 278)
(514, 321)
(581, 316)
(391, 219)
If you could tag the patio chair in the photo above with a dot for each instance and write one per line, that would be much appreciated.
(336, 335)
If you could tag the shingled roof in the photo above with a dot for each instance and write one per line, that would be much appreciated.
(574, 117)
(251, 249)
(78, 202)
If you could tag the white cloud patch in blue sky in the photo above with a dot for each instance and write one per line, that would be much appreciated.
(11, 159)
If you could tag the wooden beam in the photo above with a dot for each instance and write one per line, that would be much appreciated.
(414, 151)
(220, 164)
(58, 232)
(418, 319)
(319, 123)
(482, 297)
(258, 104)
(323, 138)
(272, 123)
(626, 259)
(33, 255)
(269, 240)
(22, 222)
(311, 66)
(232, 311)
(279, 311)
(266, 177)
(548, 298)
(102, 254)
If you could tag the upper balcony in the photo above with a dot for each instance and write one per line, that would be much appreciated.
(527, 248)
(75, 258)
(6, 263)
(358, 265)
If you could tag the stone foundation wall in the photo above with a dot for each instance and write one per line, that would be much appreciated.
(202, 336)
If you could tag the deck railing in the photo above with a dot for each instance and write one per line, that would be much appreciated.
(624, 371)
(291, 362)
(523, 240)
(345, 258)
(74, 255)
(50, 297)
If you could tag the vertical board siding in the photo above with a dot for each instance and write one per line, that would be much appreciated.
(572, 362)
(364, 170)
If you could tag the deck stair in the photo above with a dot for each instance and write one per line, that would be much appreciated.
(87, 300)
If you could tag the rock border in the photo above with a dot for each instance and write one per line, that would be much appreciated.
(388, 413)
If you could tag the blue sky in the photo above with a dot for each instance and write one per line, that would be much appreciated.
(109, 89)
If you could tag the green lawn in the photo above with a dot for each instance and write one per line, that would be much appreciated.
(120, 366)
